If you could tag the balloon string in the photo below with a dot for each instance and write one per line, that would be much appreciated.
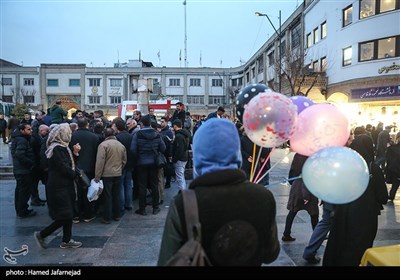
(265, 162)
(252, 163)
(284, 181)
(262, 177)
(257, 160)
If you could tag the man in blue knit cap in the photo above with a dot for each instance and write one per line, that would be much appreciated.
(238, 225)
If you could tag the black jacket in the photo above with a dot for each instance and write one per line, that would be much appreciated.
(181, 146)
(22, 153)
(89, 143)
(238, 225)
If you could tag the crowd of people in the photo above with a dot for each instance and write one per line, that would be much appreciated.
(122, 154)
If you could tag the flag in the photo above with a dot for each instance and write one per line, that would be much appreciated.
(220, 62)
(184, 2)
(158, 54)
(180, 55)
(200, 58)
(139, 55)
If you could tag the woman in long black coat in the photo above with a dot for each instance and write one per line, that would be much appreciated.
(60, 185)
(355, 224)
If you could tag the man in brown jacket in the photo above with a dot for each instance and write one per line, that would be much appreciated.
(110, 160)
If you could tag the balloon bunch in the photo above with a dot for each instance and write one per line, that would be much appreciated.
(333, 172)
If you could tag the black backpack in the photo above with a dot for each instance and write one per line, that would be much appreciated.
(191, 253)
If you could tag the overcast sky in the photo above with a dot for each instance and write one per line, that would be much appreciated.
(98, 33)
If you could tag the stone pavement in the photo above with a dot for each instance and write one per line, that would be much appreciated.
(135, 239)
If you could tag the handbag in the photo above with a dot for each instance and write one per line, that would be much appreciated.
(81, 180)
(160, 160)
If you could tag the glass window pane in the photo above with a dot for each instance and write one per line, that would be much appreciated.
(367, 8)
(347, 16)
(387, 5)
(386, 47)
(347, 54)
(367, 51)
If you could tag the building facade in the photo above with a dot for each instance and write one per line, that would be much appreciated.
(345, 52)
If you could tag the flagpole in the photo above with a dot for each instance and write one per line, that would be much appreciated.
(186, 64)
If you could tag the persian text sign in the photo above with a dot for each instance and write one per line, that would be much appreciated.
(374, 93)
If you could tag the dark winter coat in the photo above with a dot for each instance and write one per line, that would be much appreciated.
(3, 125)
(145, 143)
(238, 225)
(298, 191)
(89, 143)
(181, 115)
(355, 224)
(393, 162)
(181, 146)
(22, 153)
(126, 138)
(168, 138)
(60, 187)
(57, 114)
(246, 148)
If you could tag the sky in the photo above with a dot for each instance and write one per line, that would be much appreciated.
(100, 33)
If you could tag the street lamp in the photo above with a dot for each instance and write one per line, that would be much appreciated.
(279, 34)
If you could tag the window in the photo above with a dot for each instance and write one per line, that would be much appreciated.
(247, 76)
(116, 83)
(309, 42)
(296, 31)
(367, 8)
(315, 66)
(386, 6)
(366, 51)
(29, 99)
(29, 82)
(260, 64)
(379, 49)
(195, 82)
(347, 16)
(6, 81)
(253, 73)
(52, 82)
(114, 99)
(323, 30)
(271, 58)
(176, 97)
(283, 48)
(216, 100)
(316, 39)
(387, 47)
(174, 82)
(217, 82)
(323, 64)
(8, 98)
(195, 99)
(74, 82)
(94, 82)
(94, 99)
(347, 54)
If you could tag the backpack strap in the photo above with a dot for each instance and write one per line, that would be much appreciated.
(193, 226)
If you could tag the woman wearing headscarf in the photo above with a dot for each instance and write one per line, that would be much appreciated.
(61, 187)
(355, 224)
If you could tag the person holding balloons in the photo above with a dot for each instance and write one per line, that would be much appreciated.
(355, 223)
(300, 198)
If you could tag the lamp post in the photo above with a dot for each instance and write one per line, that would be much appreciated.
(279, 34)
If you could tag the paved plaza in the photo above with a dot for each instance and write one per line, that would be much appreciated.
(135, 239)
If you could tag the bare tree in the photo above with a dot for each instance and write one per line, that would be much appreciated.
(298, 78)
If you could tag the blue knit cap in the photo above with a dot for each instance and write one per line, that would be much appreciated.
(216, 146)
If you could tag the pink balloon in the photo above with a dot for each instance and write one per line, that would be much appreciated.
(269, 119)
(318, 127)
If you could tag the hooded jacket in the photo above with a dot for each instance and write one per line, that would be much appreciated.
(181, 146)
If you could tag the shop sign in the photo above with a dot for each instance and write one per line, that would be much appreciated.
(386, 69)
(374, 93)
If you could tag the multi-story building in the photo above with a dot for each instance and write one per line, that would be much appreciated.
(346, 52)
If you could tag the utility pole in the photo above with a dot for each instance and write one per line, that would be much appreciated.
(186, 64)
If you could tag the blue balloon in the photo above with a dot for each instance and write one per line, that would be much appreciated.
(336, 175)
